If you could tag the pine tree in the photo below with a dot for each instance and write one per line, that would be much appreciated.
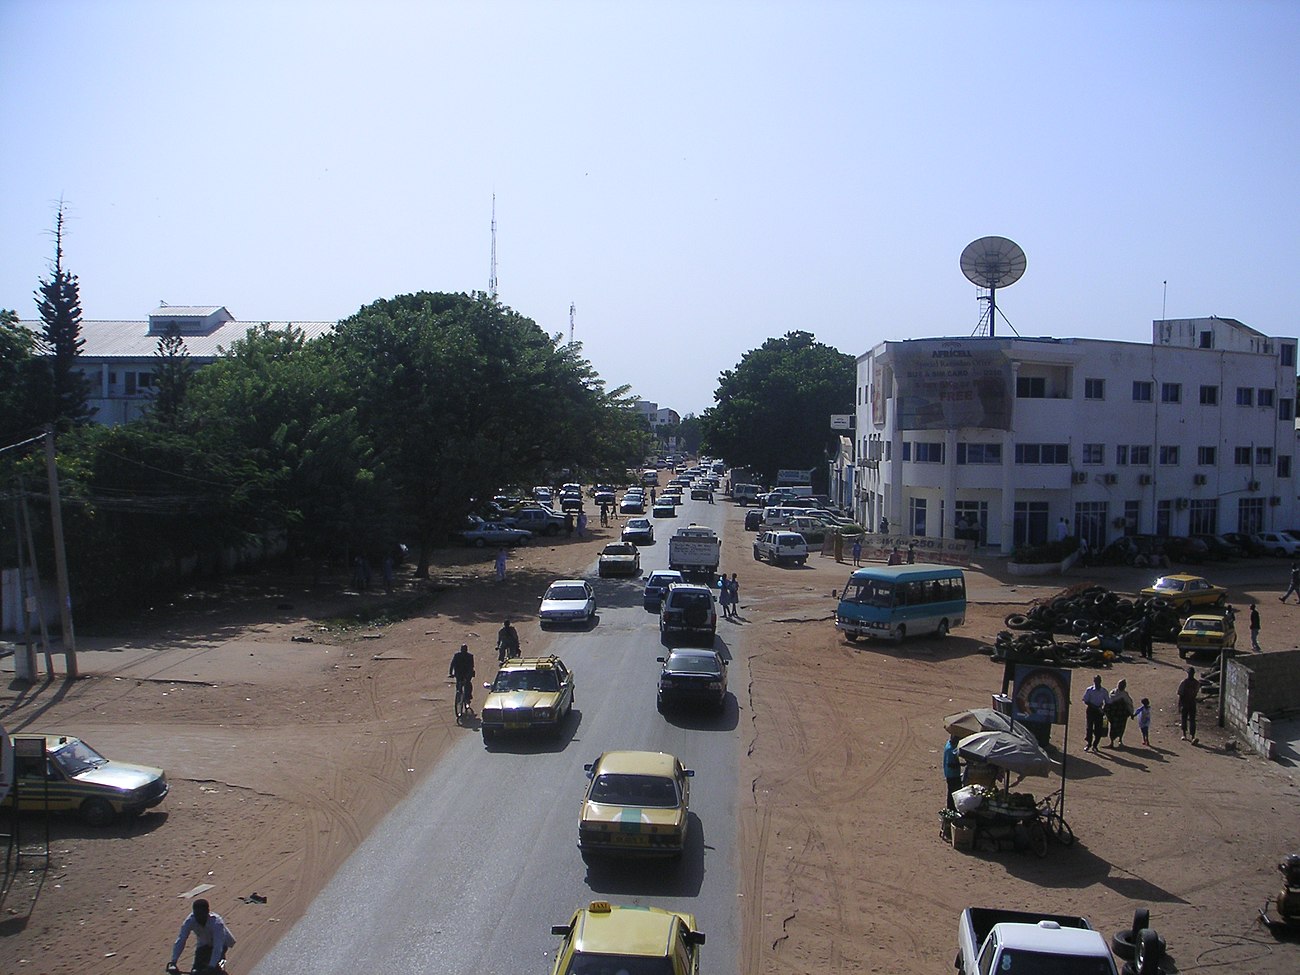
(58, 300)
(171, 375)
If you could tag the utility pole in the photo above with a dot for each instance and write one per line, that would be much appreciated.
(60, 557)
(492, 274)
(573, 313)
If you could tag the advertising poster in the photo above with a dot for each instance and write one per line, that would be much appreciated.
(1041, 694)
(945, 385)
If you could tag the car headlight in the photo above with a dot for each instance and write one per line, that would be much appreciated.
(715, 685)
(545, 712)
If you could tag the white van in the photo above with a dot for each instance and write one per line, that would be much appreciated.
(778, 516)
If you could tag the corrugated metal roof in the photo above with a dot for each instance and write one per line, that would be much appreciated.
(131, 340)
(186, 311)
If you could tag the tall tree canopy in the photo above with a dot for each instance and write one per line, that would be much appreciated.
(23, 381)
(773, 410)
(58, 301)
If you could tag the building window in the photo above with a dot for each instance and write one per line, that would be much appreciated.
(979, 453)
(1168, 456)
(1090, 523)
(928, 453)
(1283, 465)
(1093, 453)
(1205, 456)
(1241, 456)
(1171, 392)
(1250, 515)
(916, 516)
(1031, 387)
(1142, 391)
(1287, 352)
(1042, 453)
(1139, 455)
(907, 450)
(1029, 523)
(1132, 514)
(889, 449)
(1265, 398)
(1207, 340)
(1286, 408)
(1245, 396)
(1203, 518)
(1094, 389)
(1121, 455)
(1264, 456)
(1209, 395)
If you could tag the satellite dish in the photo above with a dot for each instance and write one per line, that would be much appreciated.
(993, 262)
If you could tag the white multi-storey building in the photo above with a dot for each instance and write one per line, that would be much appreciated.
(999, 439)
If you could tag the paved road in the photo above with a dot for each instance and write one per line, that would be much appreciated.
(469, 873)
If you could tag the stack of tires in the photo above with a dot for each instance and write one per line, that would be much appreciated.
(1140, 948)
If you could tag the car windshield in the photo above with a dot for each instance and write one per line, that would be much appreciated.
(1017, 962)
(619, 550)
(589, 964)
(686, 600)
(526, 680)
(77, 757)
(658, 581)
(692, 663)
(566, 592)
(871, 592)
(638, 524)
(1173, 585)
(616, 789)
(1204, 626)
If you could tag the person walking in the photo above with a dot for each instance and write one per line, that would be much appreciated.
(895, 556)
(1295, 583)
(734, 587)
(1095, 700)
(884, 525)
(857, 550)
(568, 524)
(604, 514)
(1143, 715)
(724, 596)
(911, 553)
(1254, 628)
(212, 939)
(582, 524)
(1188, 691)
(502, 555)
(1118, 711)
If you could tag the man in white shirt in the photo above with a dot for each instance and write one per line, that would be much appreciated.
(1095, 700)
(212, 939)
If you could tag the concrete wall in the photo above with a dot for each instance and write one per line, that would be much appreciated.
(1267, 684)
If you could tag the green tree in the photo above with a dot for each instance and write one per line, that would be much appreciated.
(58, 301)
(773, 409)
(689, 433)
(22, 381)
(171, 373)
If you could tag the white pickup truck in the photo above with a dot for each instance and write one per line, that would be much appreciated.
(695, 550)
(1027, 943)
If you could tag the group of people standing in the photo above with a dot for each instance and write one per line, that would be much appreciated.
(729, 596)
(1108, 713)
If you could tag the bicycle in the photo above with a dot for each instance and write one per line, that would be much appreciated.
(464, 698)
(1053, 823)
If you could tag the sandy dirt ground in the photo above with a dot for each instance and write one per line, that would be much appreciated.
(283, 753)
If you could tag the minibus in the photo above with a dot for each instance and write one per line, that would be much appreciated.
(896, 601)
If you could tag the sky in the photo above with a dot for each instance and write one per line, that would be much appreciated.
(693, 177)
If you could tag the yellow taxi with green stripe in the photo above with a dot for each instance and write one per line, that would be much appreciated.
(636, 805)
(75, 778)
(602, 938)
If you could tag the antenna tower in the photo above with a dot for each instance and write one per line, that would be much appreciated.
(992, 263)
(492, 274)
(572, 315)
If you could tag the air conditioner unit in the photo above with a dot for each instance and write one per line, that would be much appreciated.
(1253, 486)
(1080, 477)
(1110, 478)
(1198, 478)
(1181, 503)
(1144, 478)
(1275, 500)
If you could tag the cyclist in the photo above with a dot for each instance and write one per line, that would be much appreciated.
(462, 668)
(507, 642)
(212, 939)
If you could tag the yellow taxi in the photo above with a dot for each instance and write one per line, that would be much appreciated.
(1183, 592)
(1207, 634)
(637, 940)
(75, 778)
(636, 805)
(527, 694)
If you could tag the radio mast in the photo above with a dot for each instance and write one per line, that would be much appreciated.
(492, 274)
(573, 312)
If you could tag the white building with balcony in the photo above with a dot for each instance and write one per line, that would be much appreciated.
(1011, 441)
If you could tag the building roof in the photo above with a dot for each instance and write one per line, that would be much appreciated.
(132, 340)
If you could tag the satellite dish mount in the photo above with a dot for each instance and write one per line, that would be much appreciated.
(992, 262)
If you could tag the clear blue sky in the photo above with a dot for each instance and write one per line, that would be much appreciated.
(695, 177)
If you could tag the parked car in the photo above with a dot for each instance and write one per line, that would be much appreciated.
(1277, 543)
(656, 586)
(636, 805)
(537, 521)
(688, 609)
(632, 504)
(779, 547)
(571, 502)
(1211, 633)
(664, 508)
(1192, 550)
(1245, 542)
(486, 533)
(639, 531)
(606, 938)
(692, 677)
(1184, 591)
(1218, 547)
(527, 694)
(82, 781)
(568, 601)
(753, 519)
(619, 558)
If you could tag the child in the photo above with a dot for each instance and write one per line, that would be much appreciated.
(1143, 716)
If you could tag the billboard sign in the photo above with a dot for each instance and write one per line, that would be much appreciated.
(1041, 694)
(841, 421)
(944, 384)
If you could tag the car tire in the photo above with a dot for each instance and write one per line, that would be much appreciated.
(902, 634)
(479, 543)
(757, 557)
(659, 705)
(851, 637)
(97, 812)
(1150, 954)
(803, 561)
(942, 631)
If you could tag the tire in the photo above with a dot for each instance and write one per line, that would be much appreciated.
(1121, 945)
(1150, 953)
(757, 557)
(479, 543)
(942, 631)
(851, 637)
(1141, 919)
(1037, 838)
(803, 561)
(902, 634)
(97, 812)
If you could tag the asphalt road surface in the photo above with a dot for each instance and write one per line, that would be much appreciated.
(472, 869)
